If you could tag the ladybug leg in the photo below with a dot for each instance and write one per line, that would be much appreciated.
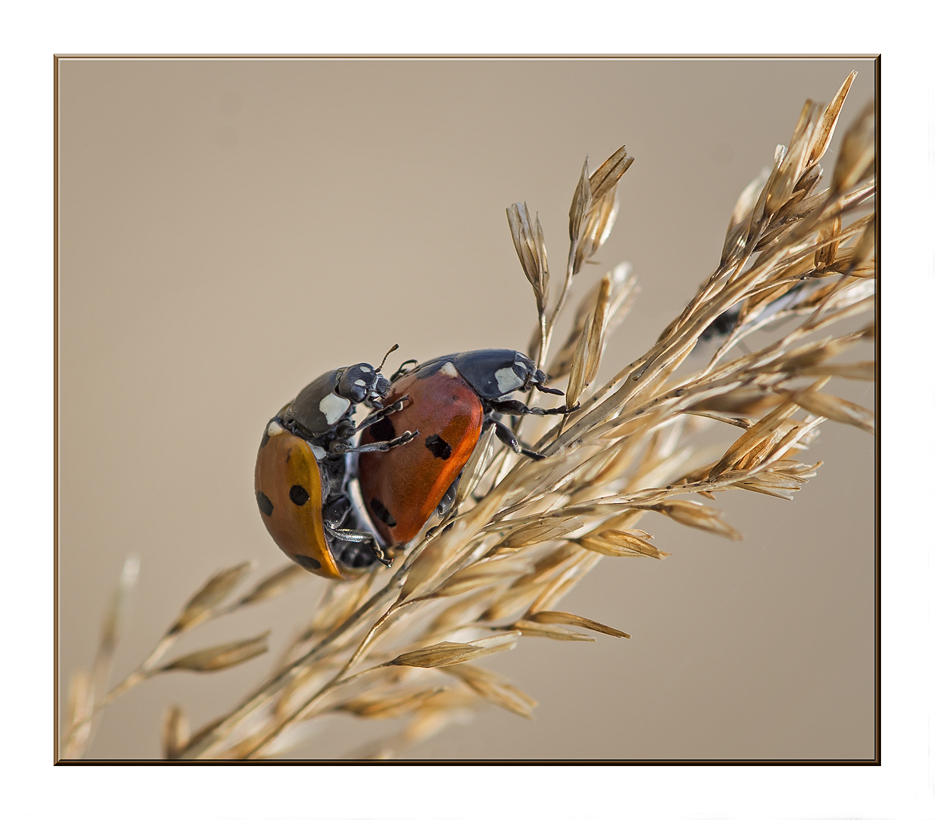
(553, 390)
(448, 499)
(381, 414)
(335, 511)
(506, 435)
(359, 537)
(403, 370)
(512, 407)
(377, 446)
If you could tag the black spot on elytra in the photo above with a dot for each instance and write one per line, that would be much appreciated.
(265, 437)
(438, 447)
(381, 512)
(307, 561)
(383, 430)
(263, 502)
(298, 495)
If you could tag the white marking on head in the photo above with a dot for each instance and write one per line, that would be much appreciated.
(273, 428)
(333, 406)
(360, 382)
(318, 452)
(366, 368)
(507, 380)
(449, 370)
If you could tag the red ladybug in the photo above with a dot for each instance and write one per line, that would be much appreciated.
(452, 399)
(301, 472)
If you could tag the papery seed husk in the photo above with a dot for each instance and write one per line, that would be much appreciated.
(557, 589)
(337, 604)
(751, 437)
(863, 371)
(389, 706)
(570, 619)
(486, 573)
(580, 204)
(856, 153)
(785, 495)
(694, 514)
(494, 689)
(175, 733)
(220, 657)
(476, 465)
(829, 119)
(539, 532)
(531, 629)
(835, 408)
(110, 632)
(274, 584)
(450, 652)
(513, 600)
(80, 693)
(214, 590)
(608, 175)
(865, 248)
(617, 543)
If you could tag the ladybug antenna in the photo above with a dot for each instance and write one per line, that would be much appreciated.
(394, 347)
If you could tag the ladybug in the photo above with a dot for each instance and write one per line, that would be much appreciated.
(451, 399)
(302, 471)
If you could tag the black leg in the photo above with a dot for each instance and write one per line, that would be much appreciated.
(448, 499)
(402, 370)
(505, 434)
(512, 407)
(334, 513)
(382, 413)
(360, 537)
(553, 390)
(377, 446)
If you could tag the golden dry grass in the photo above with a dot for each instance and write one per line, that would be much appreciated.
(522, 533)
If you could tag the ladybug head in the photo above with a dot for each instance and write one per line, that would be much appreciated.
(362, 384)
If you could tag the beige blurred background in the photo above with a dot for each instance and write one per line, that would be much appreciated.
(229, 229)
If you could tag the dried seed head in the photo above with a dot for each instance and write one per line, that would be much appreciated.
(215, 590)
(530, 629)
(274, 584)
(695, 514)
(834, 408)
(476, 466)
(494, 689)
(219, 657)
(575, 620)
(622, 289)
(486, 573)
(381, 706)
(825, 129)
(79, 708)
(587, 357)
(113, 621)
(175, 733)
(857, 154)
(580, 204)
(450, 652)
(605, 178)
(864, 250)
(537, 532)
(864, 371)
(530, 248)
(621, 543)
